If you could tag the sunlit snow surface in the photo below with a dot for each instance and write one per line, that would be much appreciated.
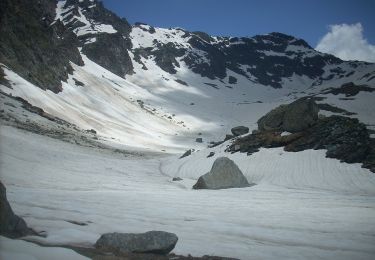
(285, 216)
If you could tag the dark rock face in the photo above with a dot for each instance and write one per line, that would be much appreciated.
(239, 130)
(216, 68)
(295, 117)
(111, 52)
(199, 140)
(349, 89)
(232, 80)
(11, 225)
(165, 56)
(157, 242)
(224, 174)
(344, 138)
(33, 48)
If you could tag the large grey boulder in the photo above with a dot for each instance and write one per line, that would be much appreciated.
(11, 225)
(239, 130)
(157, 242)
(224, 174)
(295, 117)
(273, 120)
(300, 114)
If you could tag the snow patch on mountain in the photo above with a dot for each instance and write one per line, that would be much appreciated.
(73, 16)
(142, 37)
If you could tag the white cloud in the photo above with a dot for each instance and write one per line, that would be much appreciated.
(346, 41)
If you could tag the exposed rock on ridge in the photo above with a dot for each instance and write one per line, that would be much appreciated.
(33, 48)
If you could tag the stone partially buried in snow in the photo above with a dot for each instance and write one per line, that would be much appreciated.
(239, 130)
(224, 174)
(157, 242)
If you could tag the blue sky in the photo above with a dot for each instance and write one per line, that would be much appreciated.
(305, 19)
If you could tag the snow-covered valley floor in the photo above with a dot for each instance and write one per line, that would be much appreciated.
(50, 182)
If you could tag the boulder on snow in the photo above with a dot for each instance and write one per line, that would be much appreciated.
(11, 225)
(224, 174)
(210, 154)
(199, 140)
(187, 153)
(295, 117)
(239, 130)
(157, 242)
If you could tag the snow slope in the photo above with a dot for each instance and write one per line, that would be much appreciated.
(50, 182)
(22, 250)
(309, 170)
(108, 104)
(150, 110)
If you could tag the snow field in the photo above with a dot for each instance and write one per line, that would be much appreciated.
(50, 182)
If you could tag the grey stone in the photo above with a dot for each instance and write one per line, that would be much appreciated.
(300, 115)
(211, 154)
(11, 225)
(199, 140)
(297, 116)
(157, 242)
(224, 174)
(239, 130)
(187, 153)
(273, 120)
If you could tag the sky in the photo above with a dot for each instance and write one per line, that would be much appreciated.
(335, 22)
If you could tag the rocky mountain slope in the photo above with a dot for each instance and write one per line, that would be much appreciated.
(35, 46)
(188, 83)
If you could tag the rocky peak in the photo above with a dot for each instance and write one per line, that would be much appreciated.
(103, 36)
(269, 59)
(34, 49)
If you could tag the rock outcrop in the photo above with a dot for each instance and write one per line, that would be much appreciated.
(157, 242)
(295, 117)
(11, 225)
(224, 174)
(33, 46)
(344, 138)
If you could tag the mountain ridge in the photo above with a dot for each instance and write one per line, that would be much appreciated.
(110, 41)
